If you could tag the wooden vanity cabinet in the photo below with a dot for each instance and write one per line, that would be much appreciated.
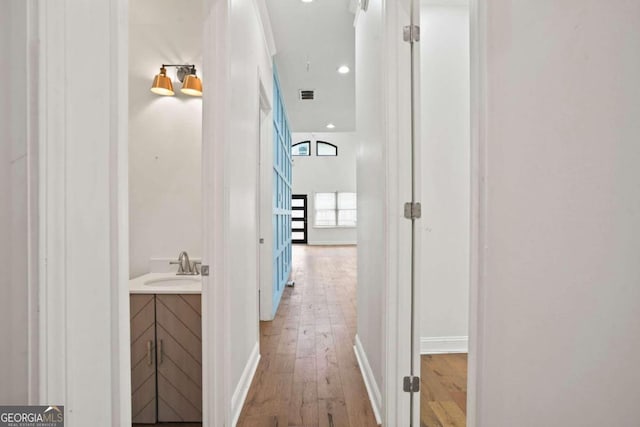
(166, 358)
(143, 363)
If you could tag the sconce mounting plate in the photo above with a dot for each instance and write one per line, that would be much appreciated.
(183, 71)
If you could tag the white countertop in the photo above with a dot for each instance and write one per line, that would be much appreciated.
(165, 283)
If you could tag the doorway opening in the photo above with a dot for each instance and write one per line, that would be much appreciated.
(444, 231)
(308, 372)
(165, 215)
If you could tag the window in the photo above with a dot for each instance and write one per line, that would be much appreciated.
(335, 210)
(301, 149)
(347, 209)
(325, 207)
(325, 149)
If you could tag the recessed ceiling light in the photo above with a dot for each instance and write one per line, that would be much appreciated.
(331, 126)
(306, 1)
(343, 69)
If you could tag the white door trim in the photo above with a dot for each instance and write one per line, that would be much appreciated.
(33, 203)
(216, 382)
(51, 151)
(83, 206)
(478, 225)
(396, 339)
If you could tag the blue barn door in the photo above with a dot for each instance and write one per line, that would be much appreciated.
(281, 194)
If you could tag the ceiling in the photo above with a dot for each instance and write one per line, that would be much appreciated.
(312, 41)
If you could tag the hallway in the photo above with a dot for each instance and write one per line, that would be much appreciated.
(308, 374)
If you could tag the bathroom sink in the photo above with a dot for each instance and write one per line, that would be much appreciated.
(165, 283)
(173, 281)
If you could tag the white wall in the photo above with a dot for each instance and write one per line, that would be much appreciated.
(559, 277)
(250, 64)
(165, 134)
(371, 167)
(237, 59)
(313, 174)
(14, 304)
(445, 177)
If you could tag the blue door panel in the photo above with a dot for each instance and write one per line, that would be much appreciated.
(281, 195)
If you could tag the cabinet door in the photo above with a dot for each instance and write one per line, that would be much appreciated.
(143, 359)
(179, 353)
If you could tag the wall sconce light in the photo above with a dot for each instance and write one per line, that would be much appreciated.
(191, 84)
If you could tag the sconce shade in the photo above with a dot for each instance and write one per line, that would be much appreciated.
(162, 84)
(192, 85)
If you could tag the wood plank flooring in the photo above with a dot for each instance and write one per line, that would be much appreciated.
(169, 425)
(308, 374)
(443, 395)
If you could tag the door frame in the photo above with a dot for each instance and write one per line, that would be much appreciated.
(216, 384)
(53, 377)
(477, 168)
(59, 130)
(263, 198)
(397, 293)
(478, 227)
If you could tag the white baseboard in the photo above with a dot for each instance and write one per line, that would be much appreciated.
(332, 243)
(242, 389)
(444, 345)
(369, 380)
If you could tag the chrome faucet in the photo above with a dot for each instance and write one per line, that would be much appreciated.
(186, 267)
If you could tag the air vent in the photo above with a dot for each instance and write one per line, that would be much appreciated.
(306, 95)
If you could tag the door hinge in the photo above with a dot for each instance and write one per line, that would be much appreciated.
(412, 210)
(411, 33)
(411, 384)
(204, 270)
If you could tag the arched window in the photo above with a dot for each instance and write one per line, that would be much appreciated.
(326, 149)
(301, 149)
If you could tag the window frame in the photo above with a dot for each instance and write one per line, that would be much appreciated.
(308, 142)
(326, 143)
(336, 210)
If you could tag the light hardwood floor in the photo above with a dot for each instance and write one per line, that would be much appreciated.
(169, 425)
(443, 395)
(308, 374)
